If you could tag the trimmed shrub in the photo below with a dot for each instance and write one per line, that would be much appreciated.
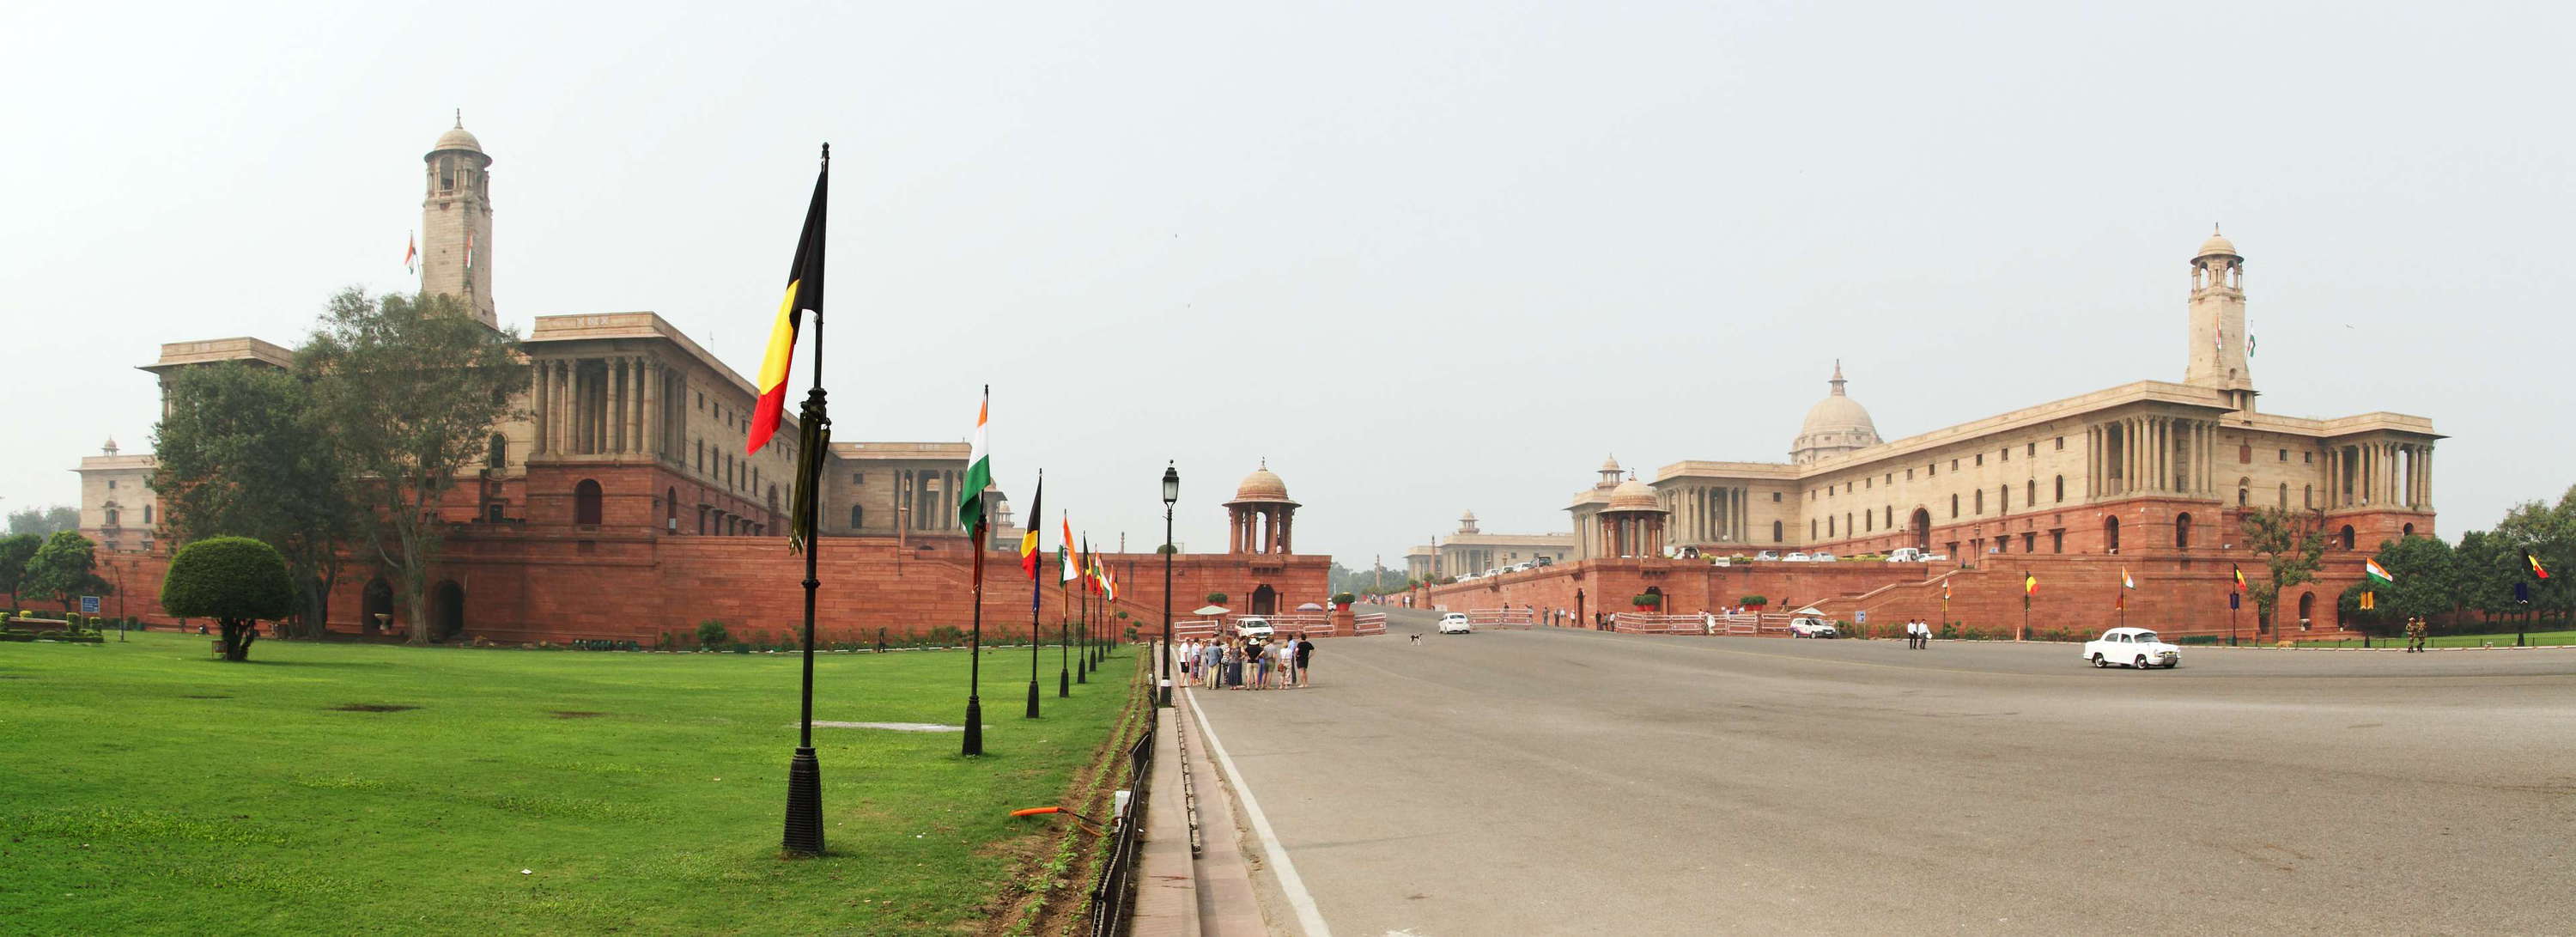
(1216, 598)
(712, 633)
(235, 580)
(1753, 601)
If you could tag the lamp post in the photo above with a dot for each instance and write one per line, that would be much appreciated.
(1171, 493)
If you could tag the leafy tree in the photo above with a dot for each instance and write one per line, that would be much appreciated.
(15, 552)
(2549, 533)
(236, 581)
(2484, 571)
(65, 568)
(242, 452)
(2424, 581)
(409, 387)
(2292, 547)
(45, 520)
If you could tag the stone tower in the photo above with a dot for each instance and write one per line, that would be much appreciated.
(2217, 340)
(456, 223)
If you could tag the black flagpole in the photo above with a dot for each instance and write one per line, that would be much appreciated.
(804, 832)
(975, 644)
(1037, 564)
(1063, 640)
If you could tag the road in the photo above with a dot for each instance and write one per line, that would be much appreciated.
(1577, 782)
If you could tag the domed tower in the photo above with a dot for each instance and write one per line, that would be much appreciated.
(1260, 518)
(1632, 524)
(2217, 341)
(1835, 425)
(1467, 523)
(456, 223)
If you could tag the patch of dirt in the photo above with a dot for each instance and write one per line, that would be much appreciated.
(205, 696)
(1091, 792)
(370, 708)
(573, 714)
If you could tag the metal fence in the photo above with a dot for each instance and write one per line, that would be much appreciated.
(1113, 896)
(1503, 617)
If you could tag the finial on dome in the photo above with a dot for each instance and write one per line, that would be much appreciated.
(1838, 377)
(2213, 229)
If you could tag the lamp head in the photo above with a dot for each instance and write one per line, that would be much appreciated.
(1171, 484)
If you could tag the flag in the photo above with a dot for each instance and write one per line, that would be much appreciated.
(469, 250)
(2029, 584)
(813, 447)
(1065, 563)
(2125, 581)
(1945, 590)
(979, 472)
(2376, 572)
(804, 292)
(2249, 344)
(1029, 541)
(1108, 584)
(411, 253)
(2240, 576)
(2218, 340)
(1089, 563)
(2537, 571)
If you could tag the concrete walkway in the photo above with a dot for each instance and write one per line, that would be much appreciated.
(1181, 891)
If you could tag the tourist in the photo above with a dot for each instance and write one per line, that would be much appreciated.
(1255, 661)
(1305, 660)
(1234, 665)
(1211, 663)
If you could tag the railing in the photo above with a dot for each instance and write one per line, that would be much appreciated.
(1113, 895)
(1368, 623)
(1196, 629)
(1652, 623)
(1503, 617)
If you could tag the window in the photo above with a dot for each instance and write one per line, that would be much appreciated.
(858, 478)
(2307, 496)
(111, 517)
(702, 408)
(670, 510)
(2032, 452)
(1930, 469)
(2003, 499)
(1954, 465)
(585, 502)
(147, 516)
(2285, 495)
(1909, 474)
(2308, 458)
(2061, 488)
(2182, 531)
(702, 459)
(2244, 453)
(2061, 443)
(1891, 478)
(1954, 505)
(1890, 522)
(111, 484)
(2003, 544)
(2057, 541)
(2030, 542)
(1811, 528)
(1981, 500)
(1869, 483)
(2004, 454)
(1829, 526)
(1981, 458)
(499, 452)
(2285, 455)
(1775, 529)
(2030, 492)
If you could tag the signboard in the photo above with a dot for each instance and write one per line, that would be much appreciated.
(1861, 617)
(2233, 602)
(89, 605)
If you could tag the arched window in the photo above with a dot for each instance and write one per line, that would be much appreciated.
(111, 517)
(2061, 488)
(2030, 492)
(2307, 608)
(855, 516)
(1954, 505)
(773, 499)
(1811, 528)
(2407, 531)
(1775, 532)
(2244, 492)
(2182, 531)
(2111, 534)
(497, 454)
(671, 510)
(2345, 537)
(2003, 500)
(2307, 495)
(585, 502)
(1981, 501)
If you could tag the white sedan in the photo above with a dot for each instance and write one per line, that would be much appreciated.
(1805, 627)
(1455, 623)
(2134, 647)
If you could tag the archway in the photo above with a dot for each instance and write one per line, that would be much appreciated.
(2406, 531)
(446, 610)
(2307, 608)
(585, 502)
(377, 599)
(2182, 531)
(2111, 534)
(2345, 537)
(1921, 524)
(1265, 600)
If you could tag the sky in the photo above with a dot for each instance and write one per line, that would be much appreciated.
(1421, 257)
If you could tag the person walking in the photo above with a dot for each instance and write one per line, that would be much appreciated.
(1305, 661)
(2415, 630)
(1913, 634)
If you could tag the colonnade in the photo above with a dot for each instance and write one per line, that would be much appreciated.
(621, 404)
(2144, 455)
(1259, 528)
(930, 493)
(1631, 533)
(1711, 513)
(2385, 474)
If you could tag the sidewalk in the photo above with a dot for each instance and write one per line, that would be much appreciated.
(1182, 891)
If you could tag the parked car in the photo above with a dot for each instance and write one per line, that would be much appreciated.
(1767, 555)
(1820, 556)
(1252, 627)
(1805, 627)
(1520, 567)
(1795, 556)
(1543, 561)
(1905, 555)
(2134, 647)
(1455, 623)
(1936, 557)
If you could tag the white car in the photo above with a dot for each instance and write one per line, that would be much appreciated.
(1455, 623)
(2134, 647)
(1820, 556)
(1804, 627)
(1905, 555)
(1767, 555)
(1252, 627)
(1795, 556)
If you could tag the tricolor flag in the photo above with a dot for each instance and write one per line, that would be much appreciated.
(411, 253)
(1029, 541)
(2376, 572)
(469, 250)
(2240, 576)
(2537, 571)
(1945, 590)
(1108, 584)
(2125, 581)
(979, 473)
(2218, 340)
(1090, 563)
(2029, 584)
(1066, 563)
(2249, 344)
(804, 292)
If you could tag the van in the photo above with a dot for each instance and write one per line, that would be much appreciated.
(1252, 627)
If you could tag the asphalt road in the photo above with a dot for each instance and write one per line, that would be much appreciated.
(1576, 782)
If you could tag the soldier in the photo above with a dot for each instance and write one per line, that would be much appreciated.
(2414, 635)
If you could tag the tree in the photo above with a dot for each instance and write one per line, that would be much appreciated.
(45, 520)
(409, 387)
(2292, 548)
(16, 550)
(65, 568)
(237, 581)
(2424, 581)
(242, 452)
(2549, 533)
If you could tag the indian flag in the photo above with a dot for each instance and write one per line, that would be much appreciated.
(979, 473)
(2125, 581)
(2377, 573)
(1109, 584)
(1069, 565)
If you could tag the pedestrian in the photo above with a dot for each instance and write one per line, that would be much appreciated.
(1913, 634)
(1256, 660)
(2415, 633)
(1212, 664)
(1233, 665)
(1305, 660)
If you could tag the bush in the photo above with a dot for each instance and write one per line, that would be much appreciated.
(1753, 601)
(235, 580)
(1344, 598)
(1216, 598)
(712, 633)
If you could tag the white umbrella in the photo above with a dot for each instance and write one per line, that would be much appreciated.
(1809, 610)
(1211, 610)
(1310, 607)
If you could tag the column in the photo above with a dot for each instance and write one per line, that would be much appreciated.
(557, 438)
(2426, 502)
(614, 430)
(653, 422)
(537, 398)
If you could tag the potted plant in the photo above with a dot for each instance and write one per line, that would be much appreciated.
(1648, 601)
(1216, 598)
(1753, 602)
(1344, 599)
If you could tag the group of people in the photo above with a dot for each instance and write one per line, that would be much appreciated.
(1918, 633)
(1247, 663)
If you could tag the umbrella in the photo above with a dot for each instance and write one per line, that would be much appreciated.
(1809, 610)
(1211, 610)
(1310, 607)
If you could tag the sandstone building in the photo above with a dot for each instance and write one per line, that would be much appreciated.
(1469, 550)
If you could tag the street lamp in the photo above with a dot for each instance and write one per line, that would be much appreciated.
(1171, 493)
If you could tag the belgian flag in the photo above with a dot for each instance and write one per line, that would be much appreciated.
(804, 293)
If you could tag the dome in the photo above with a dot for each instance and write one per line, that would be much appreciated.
(1835, 425)
(2217, 245)
(1610, 464)
(457, 139)
(1261, 485)
(1634, 495)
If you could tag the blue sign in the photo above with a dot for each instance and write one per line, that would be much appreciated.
(89, 605)
(2232, 601)
(1861, 617)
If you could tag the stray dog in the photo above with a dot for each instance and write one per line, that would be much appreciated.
(1417, 638)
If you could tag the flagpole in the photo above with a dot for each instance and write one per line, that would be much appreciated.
(1037, 588)
(804, 833)
(1064, 623)
(975, 644)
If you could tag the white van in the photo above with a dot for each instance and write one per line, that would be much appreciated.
(1252, 627)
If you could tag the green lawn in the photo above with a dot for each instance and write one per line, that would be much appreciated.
(2535, 639)
(146, 788)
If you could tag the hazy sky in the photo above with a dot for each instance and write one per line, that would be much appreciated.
(1423, 257)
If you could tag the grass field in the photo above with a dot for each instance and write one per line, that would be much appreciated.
(2533, 639)
(150, 789)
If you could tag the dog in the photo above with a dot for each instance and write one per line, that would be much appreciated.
(1417, 638)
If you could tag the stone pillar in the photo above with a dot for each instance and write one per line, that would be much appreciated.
(653, 442)
(615, 428)
(537, 401)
